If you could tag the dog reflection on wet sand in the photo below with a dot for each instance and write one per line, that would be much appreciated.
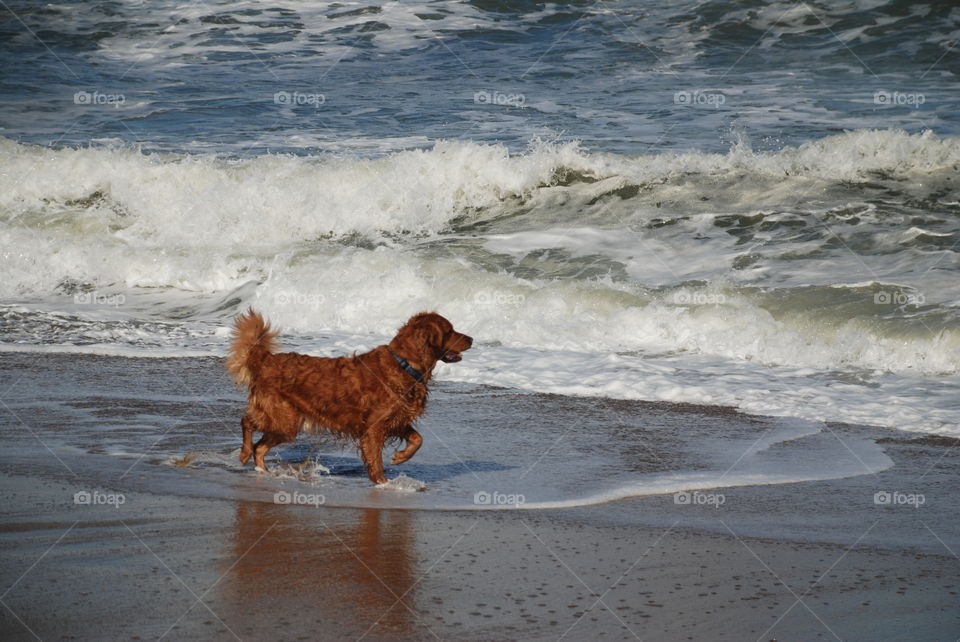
(350, 574)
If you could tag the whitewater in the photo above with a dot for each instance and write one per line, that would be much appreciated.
(816, 281)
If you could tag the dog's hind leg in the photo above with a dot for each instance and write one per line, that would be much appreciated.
(268, 441)
(414, 440)
(248, 429)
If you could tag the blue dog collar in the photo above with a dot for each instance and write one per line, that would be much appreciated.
(406, 366)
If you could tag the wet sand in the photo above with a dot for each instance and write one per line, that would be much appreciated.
(815, 560)
(182, 568)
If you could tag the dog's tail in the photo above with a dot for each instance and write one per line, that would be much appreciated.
(253, 340)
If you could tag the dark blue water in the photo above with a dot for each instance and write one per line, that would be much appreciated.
(625, 77)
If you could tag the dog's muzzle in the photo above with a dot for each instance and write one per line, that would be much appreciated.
(453, 356)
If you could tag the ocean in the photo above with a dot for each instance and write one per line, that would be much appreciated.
(742, 205)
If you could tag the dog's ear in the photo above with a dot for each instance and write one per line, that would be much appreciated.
(430, 333)
(426, 332)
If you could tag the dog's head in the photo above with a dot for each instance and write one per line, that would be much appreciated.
(431, 337)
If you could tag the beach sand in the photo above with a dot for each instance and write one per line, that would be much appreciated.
(815, 560)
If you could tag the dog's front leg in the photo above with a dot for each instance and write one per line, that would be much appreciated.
(414, 440)
(371, 450)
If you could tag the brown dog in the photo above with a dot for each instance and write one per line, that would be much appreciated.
(369, 398)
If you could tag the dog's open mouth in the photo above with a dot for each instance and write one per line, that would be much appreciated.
(450, 356)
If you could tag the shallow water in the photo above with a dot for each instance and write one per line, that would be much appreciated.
(172, 426)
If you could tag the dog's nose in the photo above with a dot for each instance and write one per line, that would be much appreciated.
(469, 341)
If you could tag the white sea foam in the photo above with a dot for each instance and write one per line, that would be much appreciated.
(130, 253)
(198, 223)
